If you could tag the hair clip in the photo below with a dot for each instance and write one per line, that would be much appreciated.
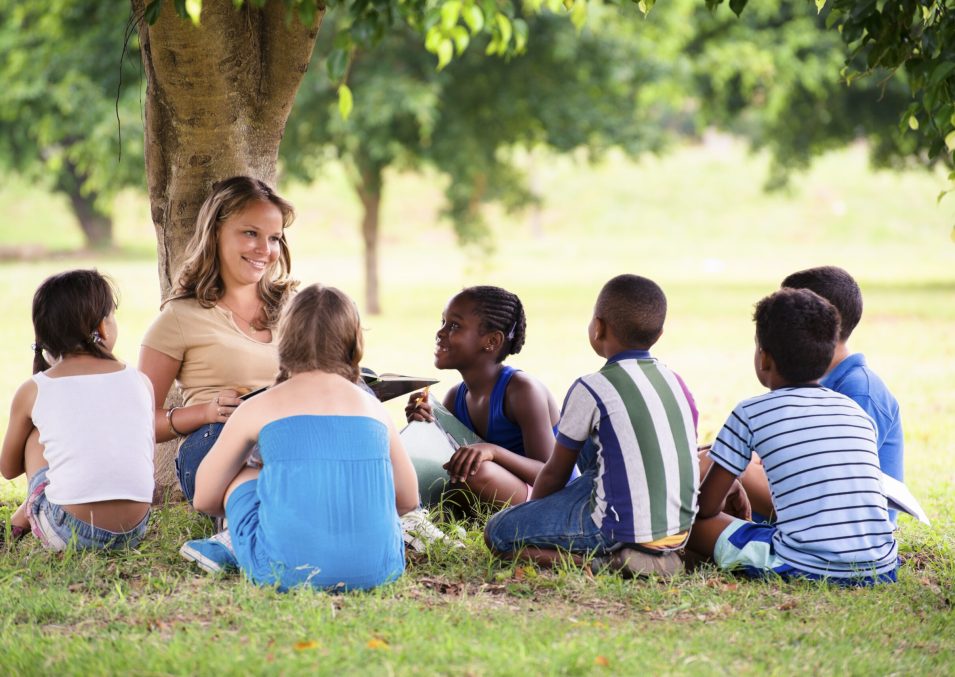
(510, 334)
(95, 337)
(36, 348)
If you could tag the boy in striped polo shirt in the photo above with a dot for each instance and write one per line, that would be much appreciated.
(631, 430)
(818, 449)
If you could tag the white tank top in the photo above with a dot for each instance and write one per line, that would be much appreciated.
(98, 434)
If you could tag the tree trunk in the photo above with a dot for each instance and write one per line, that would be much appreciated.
(97, 226)
(217, 99)
(369, 189)
(218, 96)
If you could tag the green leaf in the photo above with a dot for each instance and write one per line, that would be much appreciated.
(345, 101)
(504, 27)
(950, 141)
(445, 53)
(461, 39)
(520, 35)
(336, 64)
(474, 18)
(645, 6)
(913, 123)
(942, 71)
(578, 14)
(450, 11)
(151, 12)
(194, 10)
(820, 4)
(433, 39)
(738, 6)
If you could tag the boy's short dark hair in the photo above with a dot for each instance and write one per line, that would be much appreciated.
(634, 308)
(798, 328)
(836, 286)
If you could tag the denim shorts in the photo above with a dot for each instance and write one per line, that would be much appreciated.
(748, 547)
(57, 528)
(191, 452)
(561, 520)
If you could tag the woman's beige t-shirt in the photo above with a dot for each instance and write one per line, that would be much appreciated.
(215, 353)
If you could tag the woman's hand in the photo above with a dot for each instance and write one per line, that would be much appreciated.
(220, 409)
(418, 407)
(466, 460)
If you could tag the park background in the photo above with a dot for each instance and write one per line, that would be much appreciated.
(696, 219)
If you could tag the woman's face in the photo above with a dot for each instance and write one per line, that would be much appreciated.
(249, 244)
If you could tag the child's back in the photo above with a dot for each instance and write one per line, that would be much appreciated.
(640, 419)
(818, 449)
(323, 510)
(81, 429)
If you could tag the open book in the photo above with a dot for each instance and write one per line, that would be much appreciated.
(384, 386)
(899, 497)
(430, 445)
(389, 386)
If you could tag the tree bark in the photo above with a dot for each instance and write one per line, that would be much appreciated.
(218, 96)
(369, 188)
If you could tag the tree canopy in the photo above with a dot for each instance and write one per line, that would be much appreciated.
(70, 109)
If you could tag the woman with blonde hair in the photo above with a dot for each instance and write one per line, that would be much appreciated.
(216, 335)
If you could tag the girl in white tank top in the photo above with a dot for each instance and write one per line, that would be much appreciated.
(82, 429)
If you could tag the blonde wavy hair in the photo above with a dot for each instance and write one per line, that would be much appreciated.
(200, 276)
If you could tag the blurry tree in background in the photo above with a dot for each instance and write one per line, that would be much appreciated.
(568, 91)
(66, 87)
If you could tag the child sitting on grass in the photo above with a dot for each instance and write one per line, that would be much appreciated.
(630, 428)
(81, 429)
(323, 509)
(818, 449)
(512, 412)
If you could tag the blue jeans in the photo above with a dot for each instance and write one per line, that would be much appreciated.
(191, 452)
(57, 528)
(561, 520)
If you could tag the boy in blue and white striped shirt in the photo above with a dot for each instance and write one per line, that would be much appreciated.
(818, 449)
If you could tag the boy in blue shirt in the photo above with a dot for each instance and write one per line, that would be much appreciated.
(818, 450)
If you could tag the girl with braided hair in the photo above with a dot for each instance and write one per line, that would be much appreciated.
(513, 412)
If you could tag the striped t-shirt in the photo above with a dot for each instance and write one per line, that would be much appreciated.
(819, 452)
(639, 416)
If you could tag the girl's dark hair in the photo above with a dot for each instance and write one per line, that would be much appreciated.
(67, 309)
(321, 331)
(502, 311)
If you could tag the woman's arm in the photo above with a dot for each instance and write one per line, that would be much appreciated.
(18, 430)
(161, 370)
(224, 461)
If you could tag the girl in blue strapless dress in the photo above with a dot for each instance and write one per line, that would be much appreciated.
(323, 509)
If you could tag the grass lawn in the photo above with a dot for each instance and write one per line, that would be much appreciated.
(697, 222)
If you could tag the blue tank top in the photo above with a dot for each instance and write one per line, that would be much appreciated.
(500, 430)
(327, 515)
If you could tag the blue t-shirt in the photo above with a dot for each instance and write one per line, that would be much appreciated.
(326, 512)
(853, 378)
(818, 449)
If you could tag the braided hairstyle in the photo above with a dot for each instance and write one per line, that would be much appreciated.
(67, 310)
(502, 311)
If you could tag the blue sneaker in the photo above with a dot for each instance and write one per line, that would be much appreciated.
(214, 555)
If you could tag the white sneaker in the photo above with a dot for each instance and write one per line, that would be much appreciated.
(419, 531)
(214, 554)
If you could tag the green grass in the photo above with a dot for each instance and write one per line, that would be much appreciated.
(695, 221)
